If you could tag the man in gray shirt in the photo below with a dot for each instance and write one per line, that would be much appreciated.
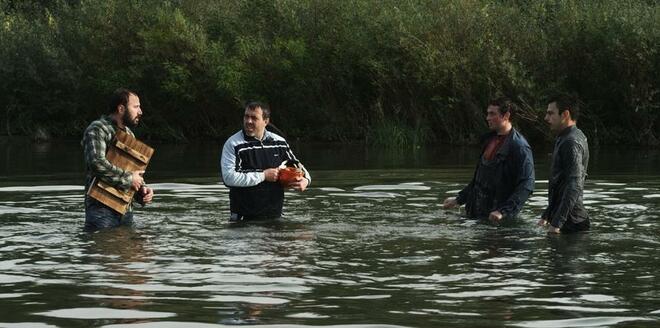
(570, 158)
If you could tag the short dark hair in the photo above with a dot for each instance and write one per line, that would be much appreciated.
(119, 97)
(504, 105)
(566, 102)
(253, 105)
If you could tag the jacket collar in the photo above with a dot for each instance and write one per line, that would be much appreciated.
(567, 131)
(504, 149)
(267, 136)
(108, 120)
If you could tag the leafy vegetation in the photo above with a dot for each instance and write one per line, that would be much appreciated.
(390, 72)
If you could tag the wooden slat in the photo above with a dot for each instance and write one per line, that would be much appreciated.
(108, 199)
(113, 191)
(130, 155)
(132, 152)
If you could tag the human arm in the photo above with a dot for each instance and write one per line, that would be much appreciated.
(523, 168)
(543, 221)
(464, 194)
(303, 182)
(95, 143)
(234, 178)
(460, 199)
(573, 174)
(546, 212)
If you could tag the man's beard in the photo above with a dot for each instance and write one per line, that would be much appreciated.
(127, 120)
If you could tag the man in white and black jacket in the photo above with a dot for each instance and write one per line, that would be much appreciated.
(250, 168)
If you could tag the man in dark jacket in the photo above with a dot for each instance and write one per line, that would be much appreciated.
(504, 177)
(570, 158)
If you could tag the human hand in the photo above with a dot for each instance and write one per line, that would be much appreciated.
(495, 216)
(272, 174)
(300, 184)
(147, 194)
(137, 180)
(550, 228)
(449, 203)
(553, 229)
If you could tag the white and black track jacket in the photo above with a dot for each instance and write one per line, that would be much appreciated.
(243, 161)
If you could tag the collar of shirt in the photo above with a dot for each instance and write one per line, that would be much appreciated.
(266, 137)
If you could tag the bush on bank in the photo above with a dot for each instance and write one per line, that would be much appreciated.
(399, 73)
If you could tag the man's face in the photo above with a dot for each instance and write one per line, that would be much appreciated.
(553, 117)
(494, 118)
(132, 112)
(254, 123)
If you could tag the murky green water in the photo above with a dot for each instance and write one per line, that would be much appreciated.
(367, 244)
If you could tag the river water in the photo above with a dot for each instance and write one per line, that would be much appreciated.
(367, 245)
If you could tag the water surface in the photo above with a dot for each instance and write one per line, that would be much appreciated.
(367, 244)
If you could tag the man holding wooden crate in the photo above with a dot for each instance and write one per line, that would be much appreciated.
(124, 114)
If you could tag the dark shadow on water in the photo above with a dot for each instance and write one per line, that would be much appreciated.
(569, 245)
(280, 224)
(455, 215)
(565, 263)
(115, 250)
(269, 223)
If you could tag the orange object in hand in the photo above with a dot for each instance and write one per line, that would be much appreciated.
(289, 174)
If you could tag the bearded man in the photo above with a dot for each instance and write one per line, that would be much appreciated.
(124, 113)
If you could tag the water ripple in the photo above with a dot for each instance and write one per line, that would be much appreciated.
(581, 322)
(340, 250)
(103, 313)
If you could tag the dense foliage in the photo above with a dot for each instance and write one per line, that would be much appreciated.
(385, 71)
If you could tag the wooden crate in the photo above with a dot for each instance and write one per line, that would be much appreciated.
(127, 153)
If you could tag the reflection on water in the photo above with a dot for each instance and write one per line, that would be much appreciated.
(103, 313)
(174, 324)
(360, 248)
(341, 253)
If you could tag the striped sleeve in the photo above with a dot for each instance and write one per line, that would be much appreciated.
(230, 176)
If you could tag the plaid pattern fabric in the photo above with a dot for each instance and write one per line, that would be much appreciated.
(98, 135)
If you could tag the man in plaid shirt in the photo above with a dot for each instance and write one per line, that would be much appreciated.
(124, 113)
